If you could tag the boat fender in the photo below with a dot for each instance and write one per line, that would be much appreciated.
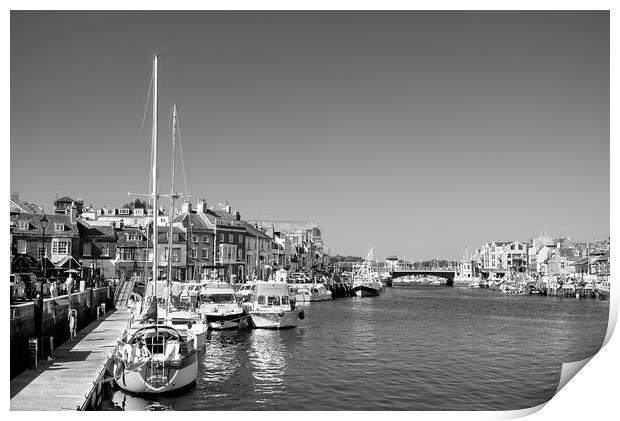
(302, 315)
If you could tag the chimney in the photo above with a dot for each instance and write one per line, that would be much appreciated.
(228, 208)
(237, 216)
(202, 206)
(187, 207)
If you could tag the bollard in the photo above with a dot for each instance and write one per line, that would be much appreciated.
(33, 352)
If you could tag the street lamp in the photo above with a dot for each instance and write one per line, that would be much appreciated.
(39, 303)
(44, 222)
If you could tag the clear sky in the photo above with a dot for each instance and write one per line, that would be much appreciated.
(414, 132)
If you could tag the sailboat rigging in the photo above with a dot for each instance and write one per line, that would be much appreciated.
(154, 358)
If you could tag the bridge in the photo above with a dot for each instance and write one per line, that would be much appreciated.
(447, 274)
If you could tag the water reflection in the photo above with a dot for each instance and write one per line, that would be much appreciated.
(221, 357)
(267, 356)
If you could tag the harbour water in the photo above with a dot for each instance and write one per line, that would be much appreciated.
(416, 348)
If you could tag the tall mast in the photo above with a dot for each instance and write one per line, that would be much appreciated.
(172, 197)
(154, 174)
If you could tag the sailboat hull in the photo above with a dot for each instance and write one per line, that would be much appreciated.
(157, 378)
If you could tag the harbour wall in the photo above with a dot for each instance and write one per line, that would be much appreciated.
(55, 321)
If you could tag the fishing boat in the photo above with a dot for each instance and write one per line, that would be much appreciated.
(219, 306)
(270, 307)
(366, 281)
(152, 357)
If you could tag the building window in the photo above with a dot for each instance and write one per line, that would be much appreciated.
(138, 212)
(230, 238)
(60, 246)
(205, 253)
(176, 254)
(221, 238)
(105, 250)
(205, 238)
(127, 254)
(239, 254)
(23, 225)
(59, 227)
(86, 249)
(21, 246)
(240, 239)
(123, 211)
(41, 252)
(175, 238)
(194, 253)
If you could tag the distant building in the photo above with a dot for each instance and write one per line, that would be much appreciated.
(62, 204)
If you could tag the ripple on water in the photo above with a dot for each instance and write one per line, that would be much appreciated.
(408, 349)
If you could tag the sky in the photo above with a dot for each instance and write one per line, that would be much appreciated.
(413, 132)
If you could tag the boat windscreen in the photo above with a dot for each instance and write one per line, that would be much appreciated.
(217, 298)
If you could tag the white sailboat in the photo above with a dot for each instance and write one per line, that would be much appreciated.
(366, 281)
(153, 358)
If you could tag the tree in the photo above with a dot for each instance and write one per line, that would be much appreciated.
(138, 204)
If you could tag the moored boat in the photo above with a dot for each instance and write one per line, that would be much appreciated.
(312, 292)
(219, 306)
(366, 281)
(154, 358)
(270, 306)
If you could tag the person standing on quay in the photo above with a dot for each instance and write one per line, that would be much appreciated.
(69, 284)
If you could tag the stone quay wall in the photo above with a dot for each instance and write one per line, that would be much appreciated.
(55, 321)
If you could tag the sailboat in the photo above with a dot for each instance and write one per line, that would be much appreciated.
(183, 320)
(366, 281)
(154, 358)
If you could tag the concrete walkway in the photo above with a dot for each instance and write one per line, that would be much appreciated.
(65, 382)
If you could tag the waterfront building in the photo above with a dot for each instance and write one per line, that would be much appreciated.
(229, 242)
(97, 250)
(305, 236)
(178, 254)
(200, 236)
(61, 248)
(134, 253)
(258, 251)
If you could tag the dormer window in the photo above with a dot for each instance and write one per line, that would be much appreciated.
(138, 212)
(108, 212)
(134, 237)
(59, 227)
(123, 211)
(23, 225)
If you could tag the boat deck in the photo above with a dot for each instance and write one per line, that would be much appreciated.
(66, 382)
